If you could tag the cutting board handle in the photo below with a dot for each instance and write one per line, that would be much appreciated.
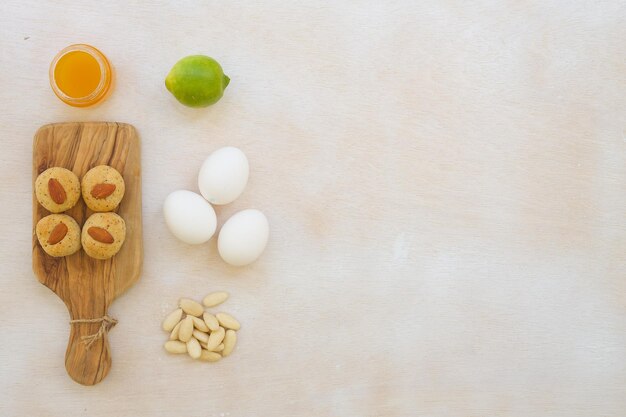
(87, 363)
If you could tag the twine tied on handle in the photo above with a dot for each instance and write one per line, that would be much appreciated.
(107, 324)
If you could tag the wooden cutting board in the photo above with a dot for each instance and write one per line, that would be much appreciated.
(88, 286)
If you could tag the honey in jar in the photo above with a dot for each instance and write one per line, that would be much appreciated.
(80, 75)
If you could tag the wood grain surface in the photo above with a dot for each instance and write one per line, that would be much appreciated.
(444, 182)
(88, 286)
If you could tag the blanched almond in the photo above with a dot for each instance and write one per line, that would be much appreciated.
(228, 321)
(100, 235)
(57, 234)
(209, 356)
(203, 345)
(174, 346)
(215, 298)
(229, 342)
(201, 336)
(193, 348)
(211, 321)
(219, 348)
(186, 329)
(174, 334)
(199, 324)
(100, 191)
(191, 307)
(215, 338)
(172, 320)
(56, 191)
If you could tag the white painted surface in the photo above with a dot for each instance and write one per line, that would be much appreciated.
(445, 183)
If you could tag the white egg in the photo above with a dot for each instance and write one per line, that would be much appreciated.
(243, 237)
(189, 217)
(223, 175)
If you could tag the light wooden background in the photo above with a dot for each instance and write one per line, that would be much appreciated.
(445, 183)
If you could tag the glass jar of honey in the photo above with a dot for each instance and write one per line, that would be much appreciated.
(80, 75)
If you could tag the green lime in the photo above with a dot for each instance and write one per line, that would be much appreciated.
(197, 81)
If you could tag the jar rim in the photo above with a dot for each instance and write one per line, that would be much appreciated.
(104, 74)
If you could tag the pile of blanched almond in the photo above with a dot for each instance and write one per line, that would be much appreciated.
(199, 333)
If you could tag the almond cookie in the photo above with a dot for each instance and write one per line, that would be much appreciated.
(103, 235)
(58, 235)
(57, 189)
(103, 188)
